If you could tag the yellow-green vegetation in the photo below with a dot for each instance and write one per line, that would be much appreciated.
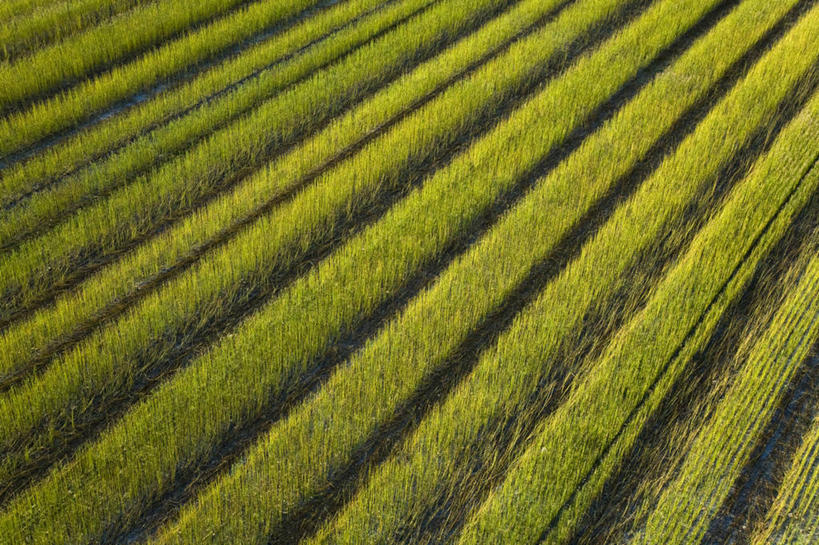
(201, 230)
(327, 316)
(43, 71)
(51, 67)
(116, 283)
(132, 348)
(458, 436)
(13, 9)
(681, 514)
(324, 34)
(408, 271)
(794, 516)
(100, 178)
(701, 391)
(641, 363)
(23, 33)
(35, 267)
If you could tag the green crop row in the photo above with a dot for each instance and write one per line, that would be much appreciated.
(663, 447)
(52, 23)
(29, 126)
(367, 391)
(161, 442)
(552, 482)
(57, 162)
(717, 455)
(218, 286)
(60, 201)
(132, 213)
(427, 469)
(294, 362)
(49, 68)
(13, 9)
(794, 516)
(325, 203)
(167, 251)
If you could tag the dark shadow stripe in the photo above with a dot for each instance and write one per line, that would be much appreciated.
(92, 259)
(149, 285)
(145, 93)
(89, 20)
(66, 84)
(689, 335)
(756, 488)
(169, 154)
(613, 514)
(304, 520)
(49, 182)
(438, 520)
(185, 345)
(437, 387)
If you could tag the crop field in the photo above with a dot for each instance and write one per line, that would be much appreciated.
(409, 272)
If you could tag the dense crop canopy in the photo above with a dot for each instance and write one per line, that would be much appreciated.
(409, 271)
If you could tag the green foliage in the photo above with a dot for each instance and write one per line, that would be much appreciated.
(403, 271)
(794, 516)
(23, 32)
(721, 449)
(641, 363)
(136, 210)
(457, 437)
(99, 47)
(259, 62)
(140, 154)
